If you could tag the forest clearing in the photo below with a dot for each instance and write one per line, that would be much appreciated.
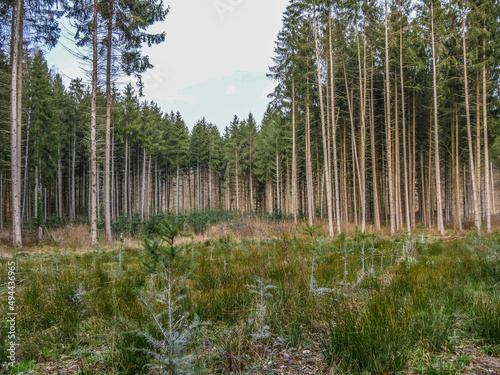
(293, 303)
(259, 187)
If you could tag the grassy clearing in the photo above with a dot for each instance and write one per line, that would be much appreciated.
(369, 305)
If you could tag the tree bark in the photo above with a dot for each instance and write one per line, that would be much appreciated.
(107, 161)
(436, 130)
(326, 146)
(486, 150)
(388, 128)
(469, 134)
(15, 129)
(403, 124)
(93, 122)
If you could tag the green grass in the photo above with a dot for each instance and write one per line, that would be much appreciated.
(385, 321)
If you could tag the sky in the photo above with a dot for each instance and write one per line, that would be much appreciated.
(213, 62)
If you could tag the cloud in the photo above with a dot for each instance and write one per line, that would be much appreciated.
(231, 90)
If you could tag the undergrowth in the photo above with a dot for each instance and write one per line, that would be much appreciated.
(389, 304)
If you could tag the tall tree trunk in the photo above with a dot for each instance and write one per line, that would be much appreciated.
(59, 189)
(469, 134)
(25, 182)
(72, 211)
(126, 197)
(15, 128)
(403, 124)
(93, 122)
(457, 175)
(143, 187)
(277, 206)
(388, 128)
(362, 99)
(295, 207)
(107, 161)
(309, 174)
(334, 125)
(436, 130)
(237, 183)
(376, 209)
(177, 190)
(326, 146)
(486, 150)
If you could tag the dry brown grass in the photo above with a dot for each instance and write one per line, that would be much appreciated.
(77, 237)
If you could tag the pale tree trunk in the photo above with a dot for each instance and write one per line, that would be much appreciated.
(355, 159)
(362, 99)
(388, 128)
(486, 151)
(326, 146)
(457, 176)
(376, 209)
(15, 128)
(148, 189)
(414, 162)
(93, 122)
(25, 182)
(237, 184)
(125, 180)
(436, 130)
(397, 164)
(277, 182)
(480, 199)
(295, 205)
(252, 208)
(403, 123)
(59, 189)
(492, 178)
(107, 183)
(334, 127)
(72, 212)
(143, 186)
(469, 134)
(177, 190)
(114, 200)
(309, 177)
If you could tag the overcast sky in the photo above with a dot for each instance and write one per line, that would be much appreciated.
(214, 60)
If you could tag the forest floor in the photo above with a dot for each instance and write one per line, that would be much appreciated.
(271, 303)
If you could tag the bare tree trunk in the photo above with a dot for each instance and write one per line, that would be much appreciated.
(59, 189)
(388, 127)
(436, 131)
(72, 211)
(309, 174)
(15, 129)
(376, 209)
(93, 122)
(107, 182)
(334, 126)
(469, 134)
(143, 188)
(403, 123)
(295, 205)
(362, 99)
(486, 150)
(457, 176)
(326, 146)
(25, 183)
(125, 181)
